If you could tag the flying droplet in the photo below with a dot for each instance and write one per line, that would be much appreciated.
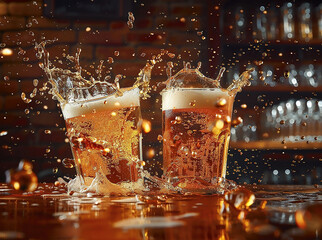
(286, 74)
(160, 138)
(3, 133)
(240, 198)
(68, 163)
(110, 60)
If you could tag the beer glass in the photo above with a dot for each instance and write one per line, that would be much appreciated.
(104, 133)
(196, 133)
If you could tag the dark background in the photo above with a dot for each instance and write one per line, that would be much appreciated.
(193, 30)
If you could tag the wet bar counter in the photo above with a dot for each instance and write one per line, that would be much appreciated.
(50, 213)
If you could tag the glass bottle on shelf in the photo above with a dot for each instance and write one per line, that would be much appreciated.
(288, 21)
(319, 20)
(240, 23)
(261, 25)
(305, 22)
(272, 27)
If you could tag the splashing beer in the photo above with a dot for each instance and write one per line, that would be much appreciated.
(105, 135)
(103, 123)
(196, 128)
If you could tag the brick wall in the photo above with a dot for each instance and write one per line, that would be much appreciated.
(178, 26)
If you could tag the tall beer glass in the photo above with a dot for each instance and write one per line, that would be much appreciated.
(105, 136)
(196, 133)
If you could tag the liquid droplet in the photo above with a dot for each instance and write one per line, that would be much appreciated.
(240, 198)
(68, 163)
(286, 74)
(160, 138)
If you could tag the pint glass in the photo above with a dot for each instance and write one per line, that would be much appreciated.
(105, 136)
(196, 133)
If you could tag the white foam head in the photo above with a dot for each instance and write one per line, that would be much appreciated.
(130, 98)
(179, 98)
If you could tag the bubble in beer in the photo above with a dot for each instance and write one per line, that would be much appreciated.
(160, 138)
(22, 178)
(193, 103)
(240, 198)
(178, 120)
(221, 102)
(176, 138)
(146, 126)
(219, 124)
(68, 163)
(310, 218)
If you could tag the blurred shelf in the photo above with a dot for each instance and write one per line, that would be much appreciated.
(274, 43)
(282, 89)
(265, 144)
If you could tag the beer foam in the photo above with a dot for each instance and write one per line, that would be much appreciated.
(128, 99)
(179, 98)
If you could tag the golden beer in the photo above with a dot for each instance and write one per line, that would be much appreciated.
(105, 136)
(196, 133)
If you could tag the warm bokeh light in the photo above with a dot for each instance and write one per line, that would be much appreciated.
(6, 52)
(146, 126)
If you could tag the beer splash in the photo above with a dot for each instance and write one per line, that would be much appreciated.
(112, 166)
(71, 85)
(192, 78)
